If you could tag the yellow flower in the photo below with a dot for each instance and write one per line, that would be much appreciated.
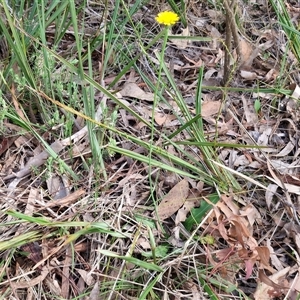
(167, 18)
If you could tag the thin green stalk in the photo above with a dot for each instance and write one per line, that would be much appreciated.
(155, 102)
(198, 99)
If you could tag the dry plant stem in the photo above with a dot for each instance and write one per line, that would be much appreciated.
(226, 75)
(4, 51)
(231, 32)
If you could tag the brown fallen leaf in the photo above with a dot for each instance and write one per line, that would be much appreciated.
(95, 293)
(181, 43)
(173, 200)
(235, 232)
(193, 200)
(248, 54)
(221, 227)
(185, 209)
(248, 75)
(131, 89)
(55, 186)
(23, 284)
(251, 213)
(210, 108)
(34, 251)
(264, 254)
(275, 261)
(66, 201)
(161, 118)
(5, 143)
(249, 264)
(65, 281)
(86, 276)
(267, 288)
(268, 281)
(250, 114)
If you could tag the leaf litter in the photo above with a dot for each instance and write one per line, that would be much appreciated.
(255, 232)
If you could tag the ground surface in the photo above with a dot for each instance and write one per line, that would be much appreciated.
(138, 167)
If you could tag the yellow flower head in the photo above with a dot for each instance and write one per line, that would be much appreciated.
(167, 18)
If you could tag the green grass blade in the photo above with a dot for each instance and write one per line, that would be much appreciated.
(133, 260)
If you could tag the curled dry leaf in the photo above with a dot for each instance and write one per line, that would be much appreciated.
(173, 200)
(240, 224)
(65, 282)
(30, 206)
(251, 243)
(230, 204)
(251, 213)
(268, 288)
(286, 150)
(271, 75)
(5, 143)
(249, 264)
(230, 209)
(264, 254)
(144, 243)
(27, 284)
(192, 201)
(222, 229)
(290, 188)
(275, 261)
(237, 233)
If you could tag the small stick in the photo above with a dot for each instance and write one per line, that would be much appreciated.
(231, 31)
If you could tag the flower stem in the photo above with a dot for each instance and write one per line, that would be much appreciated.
(155, 103)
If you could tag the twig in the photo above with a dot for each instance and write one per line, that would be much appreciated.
(231, 32)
